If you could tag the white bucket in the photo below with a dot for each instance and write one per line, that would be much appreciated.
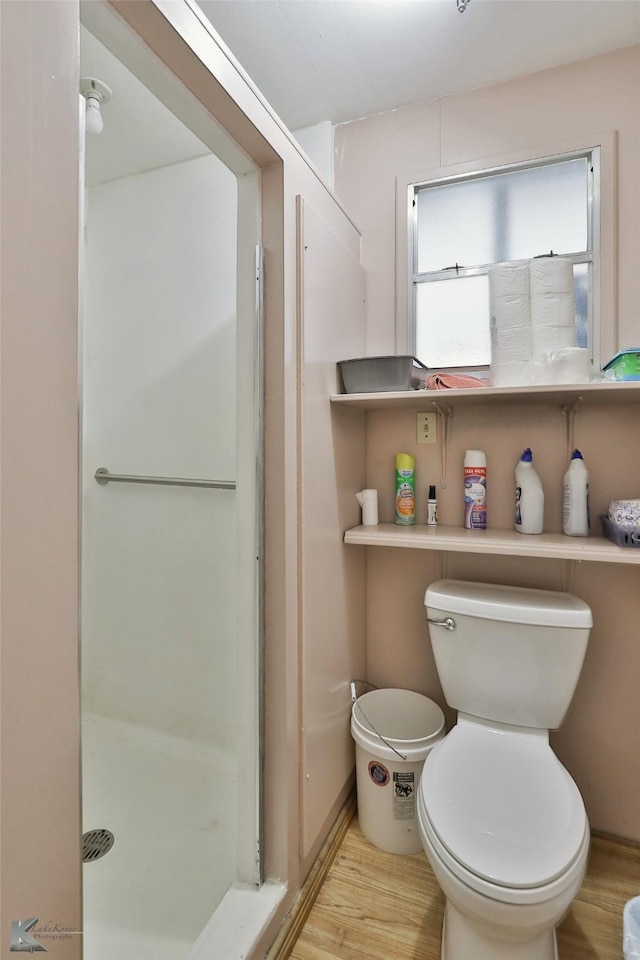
(631, 929)
(394, 731)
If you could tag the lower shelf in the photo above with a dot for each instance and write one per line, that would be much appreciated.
(498, 542)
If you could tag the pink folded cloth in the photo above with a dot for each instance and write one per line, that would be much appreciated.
(449, 381)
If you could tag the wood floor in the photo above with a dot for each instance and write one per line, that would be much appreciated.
(378, 906)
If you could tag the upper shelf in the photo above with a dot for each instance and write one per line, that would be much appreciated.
(497, 542)
(619, 392)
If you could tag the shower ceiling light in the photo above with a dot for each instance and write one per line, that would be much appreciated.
(95, 93)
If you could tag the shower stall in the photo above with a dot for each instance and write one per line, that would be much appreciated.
(171, 520)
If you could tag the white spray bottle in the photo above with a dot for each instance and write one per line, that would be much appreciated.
(575, 500)
(529, 496)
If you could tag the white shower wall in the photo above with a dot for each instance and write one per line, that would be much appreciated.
(159, 398)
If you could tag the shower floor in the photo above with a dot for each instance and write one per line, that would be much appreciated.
(171, 806)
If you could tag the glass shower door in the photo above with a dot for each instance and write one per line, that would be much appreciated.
(161, 565)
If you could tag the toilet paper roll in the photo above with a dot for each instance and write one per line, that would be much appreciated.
(550, 275)
(553, 310)
(552, 305)
(551, 339)
(511, 341)
(510, 310)
(368, 500)
(507, 279)
(510, 314)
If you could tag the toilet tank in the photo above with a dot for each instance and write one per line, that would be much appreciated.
(510, 654)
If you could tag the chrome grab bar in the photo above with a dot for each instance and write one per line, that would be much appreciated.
(103, 476)
(448, 624)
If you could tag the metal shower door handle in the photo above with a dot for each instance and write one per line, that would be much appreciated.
(448, 624)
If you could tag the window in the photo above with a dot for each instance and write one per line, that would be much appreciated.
(460, 226)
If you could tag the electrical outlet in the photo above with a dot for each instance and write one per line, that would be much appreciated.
(426, 427)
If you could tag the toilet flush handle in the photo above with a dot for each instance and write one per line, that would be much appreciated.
(448, 624)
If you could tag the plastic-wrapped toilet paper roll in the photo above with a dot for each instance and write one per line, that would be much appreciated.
(553, 310)
(510, 310)
(510, 343)
(548, 338)
(512, 373)
(552, 305)
(550, 275)
(571, 365)
(508, 279)
(510, 313)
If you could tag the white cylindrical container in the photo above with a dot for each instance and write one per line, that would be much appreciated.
(510, 324)
(552, 305)
(575, 500)
(394, 731)
(631, 929)
(529, 496)
(475, 490)
(368, 500)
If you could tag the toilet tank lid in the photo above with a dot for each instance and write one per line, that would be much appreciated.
(492, 601)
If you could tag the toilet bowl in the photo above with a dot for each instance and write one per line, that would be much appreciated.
(501, 821)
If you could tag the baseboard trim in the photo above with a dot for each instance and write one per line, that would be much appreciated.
(293, 923)
(614, 838)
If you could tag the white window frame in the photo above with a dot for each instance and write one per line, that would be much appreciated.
(602, 300)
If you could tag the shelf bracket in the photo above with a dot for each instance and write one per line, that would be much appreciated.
(569, 413)
(445, 413)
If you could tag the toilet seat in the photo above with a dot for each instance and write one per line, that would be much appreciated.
(504, 809)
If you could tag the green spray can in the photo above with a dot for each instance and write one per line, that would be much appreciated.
(405, 489)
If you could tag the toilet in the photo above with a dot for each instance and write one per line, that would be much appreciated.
(501, 821)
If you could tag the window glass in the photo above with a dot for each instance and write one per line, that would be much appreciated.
(507, 216)
(452, 328)
(546, 210)
(455, 225)
(582, 289)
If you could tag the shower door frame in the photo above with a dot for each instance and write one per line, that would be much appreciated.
(102, 20)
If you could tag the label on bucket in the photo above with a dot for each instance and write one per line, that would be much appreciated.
(403, 796)
(379, 773)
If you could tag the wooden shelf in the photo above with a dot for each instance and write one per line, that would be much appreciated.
(497, 542)
(617, 392)
(494, 542)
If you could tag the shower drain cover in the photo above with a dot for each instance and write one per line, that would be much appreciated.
(95, 843)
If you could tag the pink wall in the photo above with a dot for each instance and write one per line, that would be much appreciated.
(598, 742)
(332, 579)
(40, 837)
(592, 97)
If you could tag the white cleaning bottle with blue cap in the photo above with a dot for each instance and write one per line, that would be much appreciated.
(575, 500)
(529, 496)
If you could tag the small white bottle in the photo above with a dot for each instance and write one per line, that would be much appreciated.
(529, 496)
(575, 500)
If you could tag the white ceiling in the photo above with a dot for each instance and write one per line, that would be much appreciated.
(342, 59)
(140, 133)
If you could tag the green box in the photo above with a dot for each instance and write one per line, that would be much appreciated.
(625, 365)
